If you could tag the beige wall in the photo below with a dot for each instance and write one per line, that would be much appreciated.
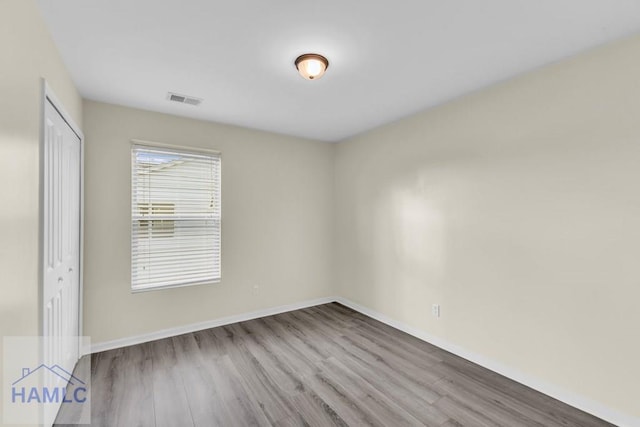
(277, 194)
(517, 209)
(27, 55)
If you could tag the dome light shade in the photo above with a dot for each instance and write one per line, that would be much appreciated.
(311, 66)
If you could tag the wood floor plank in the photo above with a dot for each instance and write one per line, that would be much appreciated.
(329, 317)
(256, 380)
(312, 410)
(416, 400)
(288, 332)
(342, 401)
(400, 340)
(104, 394)
(457, 383)
(389, 363)
(277, 368)
(169, 395)
(395, 355)
(320, 366)
(241, 409)
(463, 415)
(201, 389)
(494, 410)
(382, 407)
(282, 349)
(134, 375)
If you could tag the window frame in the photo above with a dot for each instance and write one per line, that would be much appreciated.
(179, 149)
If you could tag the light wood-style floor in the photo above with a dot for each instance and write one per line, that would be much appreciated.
(320, 366)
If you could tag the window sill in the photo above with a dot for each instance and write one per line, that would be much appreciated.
(179, 285)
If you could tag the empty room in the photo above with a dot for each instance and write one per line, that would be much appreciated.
(339, 213)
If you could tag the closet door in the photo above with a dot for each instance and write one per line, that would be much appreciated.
(61, 252)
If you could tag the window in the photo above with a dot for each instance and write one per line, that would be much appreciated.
(175, 217)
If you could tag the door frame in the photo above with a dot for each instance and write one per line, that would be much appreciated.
(47, 95)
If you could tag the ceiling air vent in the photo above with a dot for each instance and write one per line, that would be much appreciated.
(183, 99)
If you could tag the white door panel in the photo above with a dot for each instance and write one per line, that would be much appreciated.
(61, 245)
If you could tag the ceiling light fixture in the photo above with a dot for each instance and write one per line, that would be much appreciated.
(311, 66)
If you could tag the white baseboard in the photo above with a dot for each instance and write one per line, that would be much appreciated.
(172, 332)
(587, 405)
(577, 401)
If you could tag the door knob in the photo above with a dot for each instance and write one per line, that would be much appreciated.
(60, 279)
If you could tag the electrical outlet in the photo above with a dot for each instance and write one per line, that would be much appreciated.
(435, 310)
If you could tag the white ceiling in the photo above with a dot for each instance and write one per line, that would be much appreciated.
(388, 59)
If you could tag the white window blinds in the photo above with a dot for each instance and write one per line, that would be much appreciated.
(175, 213)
